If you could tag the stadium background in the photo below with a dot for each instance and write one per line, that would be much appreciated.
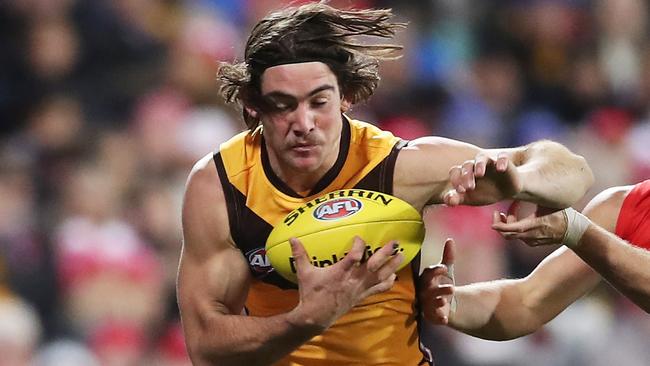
(105, 105)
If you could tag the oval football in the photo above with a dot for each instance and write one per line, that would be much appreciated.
(327, 226)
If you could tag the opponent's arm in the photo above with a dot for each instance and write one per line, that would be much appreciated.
(507, 309)
(623, 265)
(436, 170)
(511, 308)
(213, 282)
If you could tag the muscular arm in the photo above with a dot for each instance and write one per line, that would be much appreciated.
(624, 266)
(543, 172)
(213, 280)
(507, 309)
(511, 308)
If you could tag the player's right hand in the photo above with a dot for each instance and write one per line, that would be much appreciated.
(329, 292)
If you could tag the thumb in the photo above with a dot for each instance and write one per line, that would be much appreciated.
(449, 252)
(299, 255)
(513, 211)
(452, 198)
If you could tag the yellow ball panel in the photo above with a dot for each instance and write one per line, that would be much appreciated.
(329, 246)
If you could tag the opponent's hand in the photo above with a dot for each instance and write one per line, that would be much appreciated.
(543, 227)
(483, 181)
(328, 293)
(437, 287)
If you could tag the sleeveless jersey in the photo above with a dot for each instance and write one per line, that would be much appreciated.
(633, 222)
(380, 330)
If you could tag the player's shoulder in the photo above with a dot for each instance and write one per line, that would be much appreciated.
(204, 212)
(605, 207)
(203, 183)
(364, 133)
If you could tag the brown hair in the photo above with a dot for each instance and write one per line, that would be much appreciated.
(312, 32)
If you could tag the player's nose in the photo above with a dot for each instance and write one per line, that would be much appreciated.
(303, 121)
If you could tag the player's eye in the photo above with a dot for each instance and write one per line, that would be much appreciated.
(317, 102)
(279, 105)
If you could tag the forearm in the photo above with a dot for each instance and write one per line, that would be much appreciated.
(507, 309)
(492, 310)
(623, 265)
(247, 340)
(553, 176)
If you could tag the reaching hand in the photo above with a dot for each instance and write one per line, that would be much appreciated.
(328, 293)
(437, 287)
(483, 181)
(543, 227)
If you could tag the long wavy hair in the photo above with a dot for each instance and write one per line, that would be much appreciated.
(311, 32)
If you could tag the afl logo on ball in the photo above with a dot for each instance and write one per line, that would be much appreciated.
(337, 209)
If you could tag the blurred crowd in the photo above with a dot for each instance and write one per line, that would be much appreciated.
(106, 104)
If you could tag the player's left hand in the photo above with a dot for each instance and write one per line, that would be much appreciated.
(545, 226)
(436, 287)
(483, 181)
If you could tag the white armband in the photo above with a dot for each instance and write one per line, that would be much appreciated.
(450, 275)
(576, 225)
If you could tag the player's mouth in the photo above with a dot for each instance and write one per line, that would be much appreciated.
(304, 148)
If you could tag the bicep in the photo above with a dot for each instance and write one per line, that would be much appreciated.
(211, 285)
(213, 275)
(422, 168)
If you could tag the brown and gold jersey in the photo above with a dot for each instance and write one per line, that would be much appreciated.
(380, 330)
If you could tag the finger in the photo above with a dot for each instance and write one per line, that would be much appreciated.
(354, 256)
(432, 275)
(449, 252)
(455, 178)
(442, 311)
(502, 162)
(382, 256)
(442, 290)
(520, 226)
(443, 320)
(467, 175)
(382, 286)
(437, 317)
(498, 217)
(390, 267)
(480, 165)
(513, 211)
(301, 259)
(452, 198)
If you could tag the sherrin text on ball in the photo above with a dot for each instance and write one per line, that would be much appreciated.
(327, 225)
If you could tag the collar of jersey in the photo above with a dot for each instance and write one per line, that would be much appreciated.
(328, 178)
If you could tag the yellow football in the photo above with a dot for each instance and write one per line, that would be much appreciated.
(327, 225)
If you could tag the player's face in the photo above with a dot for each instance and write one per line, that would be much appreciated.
(301, 117)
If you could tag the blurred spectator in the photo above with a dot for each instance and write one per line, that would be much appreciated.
(65, 353)
(105, 105)
(20, 331)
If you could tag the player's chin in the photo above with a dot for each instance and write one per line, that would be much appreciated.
(306, 163)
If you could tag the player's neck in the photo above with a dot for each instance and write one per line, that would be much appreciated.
(300, 181)
(303, 181)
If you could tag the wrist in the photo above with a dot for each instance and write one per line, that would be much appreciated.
(304, 321)
(576, 225)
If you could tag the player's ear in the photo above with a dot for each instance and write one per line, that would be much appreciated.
(345, 105)
(251, 111)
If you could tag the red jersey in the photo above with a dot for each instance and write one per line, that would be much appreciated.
(633, 222)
